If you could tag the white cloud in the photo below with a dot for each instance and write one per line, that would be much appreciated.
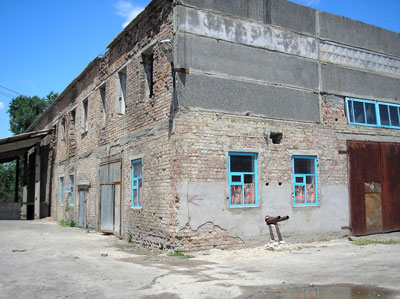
(309, 2)
(1, 105)
(127, 10)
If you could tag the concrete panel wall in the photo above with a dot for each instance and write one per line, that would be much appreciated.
(10, 211)
(302, 19)
(355, 33)
(205, 202)
(210, 56)
(215, 93)
(251, 9)
(345, 81)
(244, 32)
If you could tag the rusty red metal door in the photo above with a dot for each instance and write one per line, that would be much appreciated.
(390, 159)
(374, 172)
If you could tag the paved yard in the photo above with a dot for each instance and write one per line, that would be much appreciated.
(40, 259)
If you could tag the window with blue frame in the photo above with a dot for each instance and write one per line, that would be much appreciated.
(62, 191)
(242, 179)
(373, 113)
(305, 180)
(137, 196)
(71, 190)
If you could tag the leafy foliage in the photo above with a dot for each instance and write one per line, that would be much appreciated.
(7, 182)
(23, 110)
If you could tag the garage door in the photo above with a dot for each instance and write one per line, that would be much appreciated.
(374, 176)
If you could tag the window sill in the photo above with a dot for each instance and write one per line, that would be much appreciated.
(136, 208)
(306, 206)
(244, 206)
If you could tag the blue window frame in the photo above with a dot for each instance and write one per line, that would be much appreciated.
(137, 197)
(62, 191)
(71, 190)
(372, 113)
(242, 179)
(305, 181)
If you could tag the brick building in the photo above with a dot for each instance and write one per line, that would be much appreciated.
(203, 117)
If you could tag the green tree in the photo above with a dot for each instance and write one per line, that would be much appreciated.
(23, 111)
(7, 181)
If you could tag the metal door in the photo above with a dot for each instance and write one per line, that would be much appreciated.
(390, 157)
(110, 197)
(82, 208)
(374, 170)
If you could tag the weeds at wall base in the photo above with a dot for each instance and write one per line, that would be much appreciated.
(366, 241)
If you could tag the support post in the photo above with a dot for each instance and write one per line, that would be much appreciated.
(37, 181)
(16, 199)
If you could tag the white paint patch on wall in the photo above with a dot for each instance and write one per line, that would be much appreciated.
(245, 32)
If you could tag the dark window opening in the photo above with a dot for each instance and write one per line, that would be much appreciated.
(276, 137)
(148, 60)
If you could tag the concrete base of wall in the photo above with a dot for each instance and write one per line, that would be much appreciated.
(10, 211)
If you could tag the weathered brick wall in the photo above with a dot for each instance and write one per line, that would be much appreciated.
(142, 131)
(202, 139)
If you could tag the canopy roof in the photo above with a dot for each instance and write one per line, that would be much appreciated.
(14, 146)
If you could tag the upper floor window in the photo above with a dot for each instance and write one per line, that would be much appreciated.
(242, 179)
(85, 124)
(103, 100)
(305, 182)
(137, 197)
(373, 113)
(148, 60)
(121, 94)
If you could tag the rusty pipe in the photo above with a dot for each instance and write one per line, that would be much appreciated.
(275, 220)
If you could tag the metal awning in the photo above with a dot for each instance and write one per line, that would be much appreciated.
(14, 146)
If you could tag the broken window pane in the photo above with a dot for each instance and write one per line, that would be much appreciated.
(384, 115)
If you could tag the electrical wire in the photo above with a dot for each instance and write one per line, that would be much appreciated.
(6, 94)
(11, 90)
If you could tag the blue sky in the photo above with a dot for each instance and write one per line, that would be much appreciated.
(45, 44)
